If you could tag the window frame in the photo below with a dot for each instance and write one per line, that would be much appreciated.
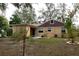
(49, 29)
(51, 22)
(40, 30)
(63, 30)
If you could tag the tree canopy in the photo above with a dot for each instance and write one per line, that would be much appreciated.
(24, 14)
(3, 7)
(3, 25)
(15, 19)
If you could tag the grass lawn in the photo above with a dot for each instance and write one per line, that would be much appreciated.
(39, 47)
(51, 47)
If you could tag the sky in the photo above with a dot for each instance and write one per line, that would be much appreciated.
(10, 10)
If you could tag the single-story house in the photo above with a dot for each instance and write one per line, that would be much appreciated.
(51, 28)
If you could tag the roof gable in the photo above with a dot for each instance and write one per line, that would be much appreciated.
(49, 24)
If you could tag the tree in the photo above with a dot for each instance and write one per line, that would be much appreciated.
(49, 13)
(68, 21)
(68, 26)
(15, 19)
(25, 12)
(74, 11)
(27, 15)
(3, 7)
(3, 26)
(62, 14)
(19, 5)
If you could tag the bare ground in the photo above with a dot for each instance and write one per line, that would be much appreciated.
(45, 47)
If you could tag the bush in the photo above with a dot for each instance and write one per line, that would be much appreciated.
(3, 26)
(19, 35)
(9, 32)
(3, 33)
(55, 35)
(31, 39)
(78, 34)
(16, 36)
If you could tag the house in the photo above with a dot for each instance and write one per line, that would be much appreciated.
(28, 29)
(51, 28)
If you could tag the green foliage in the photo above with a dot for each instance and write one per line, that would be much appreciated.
(19, 35)
(3, 25)
(3, 33)
(18, 5)
(30, 39)
(69, 27)
(15, 19)
(46, 41)
(77, 32)
(68, 23)
(9, 32)
(27, 15)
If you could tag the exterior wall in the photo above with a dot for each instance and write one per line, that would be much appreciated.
(21, 28)
(54, 30)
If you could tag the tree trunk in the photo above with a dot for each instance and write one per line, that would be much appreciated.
(24, 45)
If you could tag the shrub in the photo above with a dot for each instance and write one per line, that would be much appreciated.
(31, 39)
(55, 35)
(9, 32)
(3, 33)
(19, 35)
(78, 34)
(44, 35)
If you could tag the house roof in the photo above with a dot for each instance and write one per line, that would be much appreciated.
(45, 24)
(23, 25)
(49, 24)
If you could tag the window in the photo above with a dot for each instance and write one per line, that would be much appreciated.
(52, 21)
(40, 30)
(63, 30)
(49, 29)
